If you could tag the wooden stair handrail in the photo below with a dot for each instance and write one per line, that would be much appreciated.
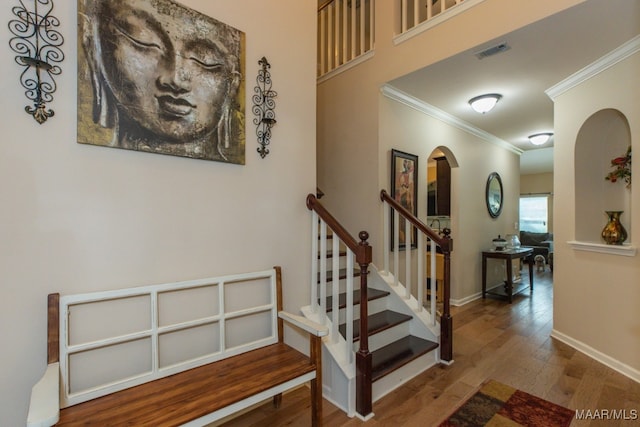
(446, 244)
(362, 252)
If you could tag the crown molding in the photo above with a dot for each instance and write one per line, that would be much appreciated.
(610, 59)
(412, 102)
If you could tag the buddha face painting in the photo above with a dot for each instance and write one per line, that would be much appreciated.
(164, 78)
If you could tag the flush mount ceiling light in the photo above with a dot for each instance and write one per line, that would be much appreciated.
(540, 138)
(484, 103)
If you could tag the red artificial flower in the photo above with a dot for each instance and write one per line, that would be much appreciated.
(622, 169)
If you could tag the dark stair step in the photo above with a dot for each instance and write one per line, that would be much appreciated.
(377, 322)
(397, 354)
(372, 294)
(342, 274)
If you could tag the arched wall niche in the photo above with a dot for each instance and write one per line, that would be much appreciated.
(604, 136)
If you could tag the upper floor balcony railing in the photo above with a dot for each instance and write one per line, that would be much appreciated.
(345, 32)
(415, 12)
(346, 28)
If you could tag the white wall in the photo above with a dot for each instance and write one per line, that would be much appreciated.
(77, 218)
(596, 295)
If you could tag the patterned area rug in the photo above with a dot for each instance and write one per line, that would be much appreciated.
(499, 405)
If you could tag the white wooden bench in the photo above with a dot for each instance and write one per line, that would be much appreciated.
(187, 353)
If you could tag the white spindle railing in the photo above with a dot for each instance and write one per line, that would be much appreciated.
(320, 272)
(414, 271)
(345, 32)
(414, 12)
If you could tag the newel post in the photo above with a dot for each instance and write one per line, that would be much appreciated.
(364, 394)
(446, 321)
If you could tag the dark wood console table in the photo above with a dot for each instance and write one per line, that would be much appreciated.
(508, 255)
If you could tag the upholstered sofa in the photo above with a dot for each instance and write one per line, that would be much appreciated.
(542, 243)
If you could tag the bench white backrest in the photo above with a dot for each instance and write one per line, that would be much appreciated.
(117, 339)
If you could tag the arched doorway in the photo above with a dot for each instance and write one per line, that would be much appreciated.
(440, 189)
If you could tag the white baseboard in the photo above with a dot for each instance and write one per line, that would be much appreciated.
(465, 300)
(609, 361)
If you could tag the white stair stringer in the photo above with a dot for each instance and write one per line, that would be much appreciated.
(339, 375)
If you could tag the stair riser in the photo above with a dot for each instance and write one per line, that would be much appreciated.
(375, 306)
(342, 285)
(385, 337)
(390, 382)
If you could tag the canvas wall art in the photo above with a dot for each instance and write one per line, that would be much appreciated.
(158, 77)
(404, 188)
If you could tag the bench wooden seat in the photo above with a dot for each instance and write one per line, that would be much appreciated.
(189, 395)
(195, 396)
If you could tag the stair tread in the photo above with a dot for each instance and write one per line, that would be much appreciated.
(342, 298)
(376, 323)
(397, 354)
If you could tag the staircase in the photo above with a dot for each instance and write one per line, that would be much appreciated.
(365, 360)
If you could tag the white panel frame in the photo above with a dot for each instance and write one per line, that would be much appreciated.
(66, 350)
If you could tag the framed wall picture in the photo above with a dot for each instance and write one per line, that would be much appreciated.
(404, 188)
(158, 77)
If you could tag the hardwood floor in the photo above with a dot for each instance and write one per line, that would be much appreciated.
(492, 340)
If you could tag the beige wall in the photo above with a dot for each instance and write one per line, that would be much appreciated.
(77, 218)
(473, 229)
(596, 295)
(539, 184)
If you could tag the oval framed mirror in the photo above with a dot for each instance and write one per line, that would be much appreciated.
(494, 195)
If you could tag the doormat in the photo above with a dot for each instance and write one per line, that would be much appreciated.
(498, 405)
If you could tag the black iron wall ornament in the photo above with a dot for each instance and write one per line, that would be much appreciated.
(263, 107)
(37, 43)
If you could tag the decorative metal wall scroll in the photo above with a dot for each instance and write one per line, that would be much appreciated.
(37, 43)
(263, 107)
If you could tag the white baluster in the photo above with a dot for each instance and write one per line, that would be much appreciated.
(363, 18)
(330, 50)
(433, 282)
(405, 19)
(416, 12)
(323, 272)
(349, 308)
(314, 261)
(354, 12)
(386, 236)
(371, 24)
(336, 47)
(407, 258)
(396, 247)
(345, 32)
(335, 289)
(421, 277)
(323, 41)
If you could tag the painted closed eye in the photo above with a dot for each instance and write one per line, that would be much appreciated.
(208, 64)
(138, 39)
